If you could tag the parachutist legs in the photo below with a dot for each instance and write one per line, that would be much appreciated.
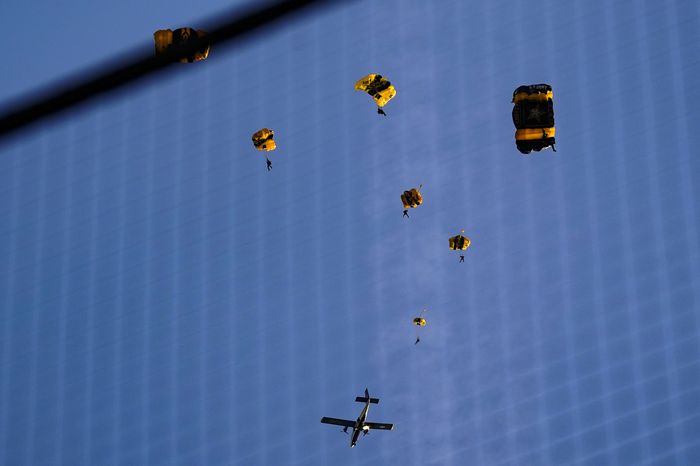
(461, 258)
(405, 213)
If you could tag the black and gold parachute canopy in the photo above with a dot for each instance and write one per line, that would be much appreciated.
(412, 198)
(459, 242)
(378, 87)
(264, 140)
(167, 38)
(533, 117)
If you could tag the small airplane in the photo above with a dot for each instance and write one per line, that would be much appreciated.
(360, 425)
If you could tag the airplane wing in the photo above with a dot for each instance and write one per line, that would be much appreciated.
(338, 422)
(379, 426)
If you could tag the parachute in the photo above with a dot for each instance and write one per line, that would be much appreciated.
(419, 322)
(459, 243)
(166, 38)
(378, 87)
(264, 140)
(533, 117)
(412, 198)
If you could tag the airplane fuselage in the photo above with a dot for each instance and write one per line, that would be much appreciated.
(359, 424)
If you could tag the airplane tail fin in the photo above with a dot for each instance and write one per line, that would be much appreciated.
(364, 399)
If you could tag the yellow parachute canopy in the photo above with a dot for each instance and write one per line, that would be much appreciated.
(419, 321)
(411, 198)
(533, 117)
(459, 243)
(165, 38)
(264, 139)
(378, 87)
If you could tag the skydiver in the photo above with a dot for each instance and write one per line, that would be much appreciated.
(269, 164)
(417, 340)
(461, 258)
(405, 213)
(380, 111)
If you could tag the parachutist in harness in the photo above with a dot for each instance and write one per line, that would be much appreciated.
(405, 213)
(381, 112)
(544, 138)
(417, 340)
(269, 164)
(461, 258)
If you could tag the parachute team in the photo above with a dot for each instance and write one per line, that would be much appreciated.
(533, 117)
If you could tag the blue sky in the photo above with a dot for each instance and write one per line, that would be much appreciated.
(165, 300)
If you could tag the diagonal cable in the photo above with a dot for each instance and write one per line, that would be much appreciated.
(137, 65)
